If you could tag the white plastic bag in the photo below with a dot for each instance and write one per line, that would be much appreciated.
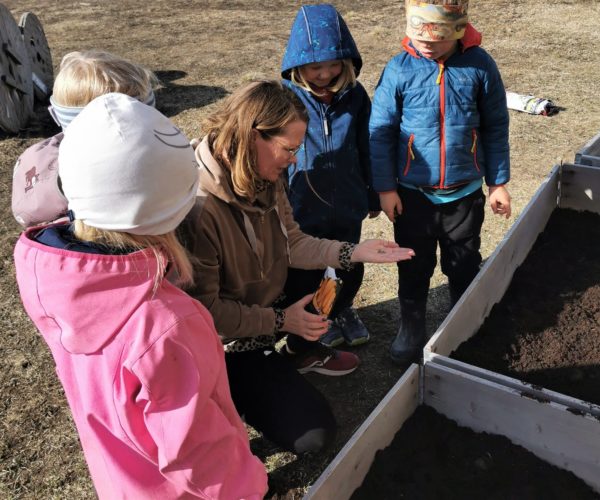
(530, 104)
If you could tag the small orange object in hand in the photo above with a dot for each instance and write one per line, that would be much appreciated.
(325, 296)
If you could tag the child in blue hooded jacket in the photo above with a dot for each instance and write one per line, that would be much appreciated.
(438, 129)
(329, 187)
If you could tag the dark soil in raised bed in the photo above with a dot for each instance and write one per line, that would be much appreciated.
(546, 328)
(431, 457)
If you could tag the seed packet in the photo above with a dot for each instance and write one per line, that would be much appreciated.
(324, 298)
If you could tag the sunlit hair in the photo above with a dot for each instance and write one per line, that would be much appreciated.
(265, 106)
(166, 249)
(347, 78)
(85, 75)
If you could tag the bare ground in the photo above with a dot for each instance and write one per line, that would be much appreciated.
(203, 50)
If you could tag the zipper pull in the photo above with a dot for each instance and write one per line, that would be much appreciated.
(326, 126)
(439, 77)
(474, 141)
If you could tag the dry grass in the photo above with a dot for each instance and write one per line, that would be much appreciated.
(203, 50)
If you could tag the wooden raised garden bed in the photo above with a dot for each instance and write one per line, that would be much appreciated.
(551, 431)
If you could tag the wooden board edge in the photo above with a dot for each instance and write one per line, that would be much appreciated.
(549, 430)
(580, 188)
(348, 469)
(589, 154)
(574, 405)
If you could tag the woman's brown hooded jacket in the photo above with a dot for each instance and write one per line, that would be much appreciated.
(243, 250)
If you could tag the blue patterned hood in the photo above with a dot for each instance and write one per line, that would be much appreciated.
(319, 34)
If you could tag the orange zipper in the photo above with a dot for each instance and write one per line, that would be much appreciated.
(441, 82)
(474, 149)
(409, 155)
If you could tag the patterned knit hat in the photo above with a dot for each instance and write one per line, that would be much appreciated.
(436, 20)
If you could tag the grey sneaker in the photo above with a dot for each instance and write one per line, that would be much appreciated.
(333, 337)
(353, 329)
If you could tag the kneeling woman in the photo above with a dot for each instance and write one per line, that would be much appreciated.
(244, 238)
(140, 360)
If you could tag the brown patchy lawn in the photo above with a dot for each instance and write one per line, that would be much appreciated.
(203, 50)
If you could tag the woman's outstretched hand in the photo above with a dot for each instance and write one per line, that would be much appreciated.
(380, 251)
(300, 322)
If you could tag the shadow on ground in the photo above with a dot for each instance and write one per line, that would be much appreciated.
(173, 98)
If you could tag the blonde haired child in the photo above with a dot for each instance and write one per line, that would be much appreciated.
(330, 182)
(345, 79)
(82, 76)
(140, 361)
(85, 75)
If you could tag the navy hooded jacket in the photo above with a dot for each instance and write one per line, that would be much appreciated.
(440, 124)
(334, 162)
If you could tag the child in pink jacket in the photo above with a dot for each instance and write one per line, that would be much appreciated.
(140, 361)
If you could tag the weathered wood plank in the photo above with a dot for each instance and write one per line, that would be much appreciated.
(568, 440)
(349, 468)
(580, 188)
(541, 394)
(590, 153)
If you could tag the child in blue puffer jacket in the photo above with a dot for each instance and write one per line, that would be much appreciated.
(329, 187)
(439, 125)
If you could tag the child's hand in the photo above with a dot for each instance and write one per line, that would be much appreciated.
(373, 214)
(390, 204)
(500, 201)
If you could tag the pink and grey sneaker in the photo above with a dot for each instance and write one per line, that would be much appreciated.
(324, 360)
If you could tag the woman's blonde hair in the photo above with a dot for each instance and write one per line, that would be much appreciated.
(166, 249)
(265, 106)
(347, 78)
(85, 75)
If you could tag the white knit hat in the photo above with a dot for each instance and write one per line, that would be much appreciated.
(125, 167)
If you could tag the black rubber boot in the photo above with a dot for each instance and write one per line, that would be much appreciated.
(454, 295)
(456, 291)
(409, 342)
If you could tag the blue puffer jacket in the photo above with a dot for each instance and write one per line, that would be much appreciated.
(439, 125)
(329, 184)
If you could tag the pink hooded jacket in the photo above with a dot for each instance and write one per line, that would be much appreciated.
(144, 375)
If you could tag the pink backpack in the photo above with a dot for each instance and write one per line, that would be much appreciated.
(36, 196)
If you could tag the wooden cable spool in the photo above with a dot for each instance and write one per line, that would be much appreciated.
(16, 85)
(40, 58)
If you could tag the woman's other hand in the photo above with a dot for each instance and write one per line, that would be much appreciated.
(300, 322)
